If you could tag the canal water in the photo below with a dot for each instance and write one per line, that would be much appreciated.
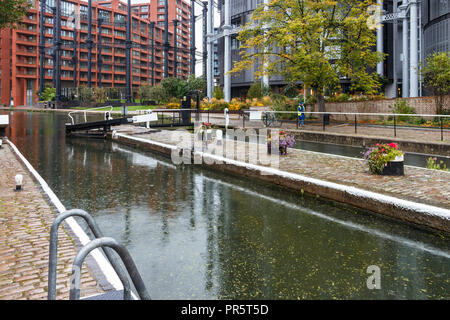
(200, 234)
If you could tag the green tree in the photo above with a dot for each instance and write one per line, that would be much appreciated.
(174, 87)
(85, 93)
(145, 92)
(158, 94)
(12, 12)
(218, 92)
(312, 42)
(196, 83)
(436, 76)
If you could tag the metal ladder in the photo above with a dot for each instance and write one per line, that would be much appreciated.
(107, 244)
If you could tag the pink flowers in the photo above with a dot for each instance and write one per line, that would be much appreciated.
(393, 145)
(378, 157)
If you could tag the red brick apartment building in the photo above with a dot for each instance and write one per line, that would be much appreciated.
(19, 48)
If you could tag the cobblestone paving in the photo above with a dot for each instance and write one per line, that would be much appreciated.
(25, 220)
(418, 184)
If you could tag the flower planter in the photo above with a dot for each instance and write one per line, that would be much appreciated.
(394, 167)
(279, 150)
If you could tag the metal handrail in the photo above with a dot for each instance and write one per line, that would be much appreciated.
(356, 113)
(75, 279)
(53, 252)
(84, 111)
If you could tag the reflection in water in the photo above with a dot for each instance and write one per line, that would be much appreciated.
(199, 234)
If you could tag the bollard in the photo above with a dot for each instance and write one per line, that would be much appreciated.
(19, 181)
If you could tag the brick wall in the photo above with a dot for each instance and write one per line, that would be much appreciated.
(422, 105)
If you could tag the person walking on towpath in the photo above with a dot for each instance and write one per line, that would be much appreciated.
(301, 111)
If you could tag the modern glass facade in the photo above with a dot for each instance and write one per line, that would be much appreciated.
(433, 36)
(436, 26)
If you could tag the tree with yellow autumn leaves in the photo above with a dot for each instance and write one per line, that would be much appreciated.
(314, 42)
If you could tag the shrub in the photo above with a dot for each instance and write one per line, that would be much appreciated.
(402, 107)
(85, 93)
(218, 93)
(281, 103)
(98, 94)
(48, 94)
(432, 164)
(257, 90)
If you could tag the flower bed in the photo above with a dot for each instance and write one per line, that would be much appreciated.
(385, 159)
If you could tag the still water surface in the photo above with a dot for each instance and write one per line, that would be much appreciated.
(199, 234)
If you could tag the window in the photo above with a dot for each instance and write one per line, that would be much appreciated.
(105, 15)
(67, 8)
(65, 33)
(119, 33)
(119, 18)
(106, 31)
(160, 16)
(161, 2)
(144, 8)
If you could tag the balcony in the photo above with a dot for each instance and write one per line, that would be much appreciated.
(26, 52)
(26, 74)
(27, 41)
(25, 63)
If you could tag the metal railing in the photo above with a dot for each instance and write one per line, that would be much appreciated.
(53, 253)
(123, 253)
(84, 112)
(356, 119)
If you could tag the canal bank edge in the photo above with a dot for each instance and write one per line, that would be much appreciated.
(412, 212)
(96, 262)
(431, 148)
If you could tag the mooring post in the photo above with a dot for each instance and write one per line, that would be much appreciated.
(395, 127)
